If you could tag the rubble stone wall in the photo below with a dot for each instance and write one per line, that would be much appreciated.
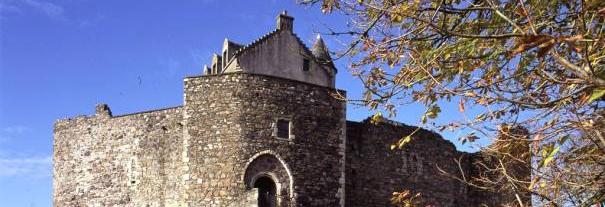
(374, 171)
(129, 160)
(210, 151)
(230, 118)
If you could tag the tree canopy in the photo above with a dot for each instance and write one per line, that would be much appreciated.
(529, 63)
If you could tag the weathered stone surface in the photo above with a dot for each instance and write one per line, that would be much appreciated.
(374, 171)
(212, 150)
(230, 132)
(122, 161)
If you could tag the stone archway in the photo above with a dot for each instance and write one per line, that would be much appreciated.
(269, 175)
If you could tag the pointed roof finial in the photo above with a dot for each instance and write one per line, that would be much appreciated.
(284, 12)
(320, 50)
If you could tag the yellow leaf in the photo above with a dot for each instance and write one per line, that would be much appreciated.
(470, 94)
(376, 118)
(596, 94)
(402, 142)
(533, 182)
(550, 157)
(433, 112)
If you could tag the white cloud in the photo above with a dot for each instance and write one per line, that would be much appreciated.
(50, 9)
(18, 6)
(26, 167)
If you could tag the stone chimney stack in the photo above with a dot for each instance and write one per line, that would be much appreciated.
(285, 22)
(103, 110)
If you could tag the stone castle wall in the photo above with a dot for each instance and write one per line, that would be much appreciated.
(374, 171)
(426, 165)
(130, 160)
(211, 151)
(230, 136)
(515, 156)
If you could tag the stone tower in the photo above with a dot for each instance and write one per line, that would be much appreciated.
(265, 125)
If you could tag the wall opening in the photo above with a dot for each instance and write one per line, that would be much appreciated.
(306, 64)
(267, 196)
(283, 128)
(269, 178)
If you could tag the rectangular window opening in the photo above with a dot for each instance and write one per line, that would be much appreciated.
(306, 64)
(225, 59)
(283, 128)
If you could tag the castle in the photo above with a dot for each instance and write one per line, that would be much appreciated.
(261, 127)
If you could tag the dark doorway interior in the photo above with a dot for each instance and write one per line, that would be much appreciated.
(266, 192)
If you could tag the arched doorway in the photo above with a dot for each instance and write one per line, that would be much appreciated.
(268, 177)
(266, 192)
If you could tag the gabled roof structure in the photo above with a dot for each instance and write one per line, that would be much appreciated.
(276, 54)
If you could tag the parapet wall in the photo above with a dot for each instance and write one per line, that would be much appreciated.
(374, 171)
(131, 160)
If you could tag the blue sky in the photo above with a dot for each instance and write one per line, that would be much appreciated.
(60, 58)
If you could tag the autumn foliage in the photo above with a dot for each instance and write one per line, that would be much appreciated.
(528, 63)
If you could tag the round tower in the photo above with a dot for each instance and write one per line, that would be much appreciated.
(265, 140)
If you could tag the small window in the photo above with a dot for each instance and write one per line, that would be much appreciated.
(283, 128)
(306, 64)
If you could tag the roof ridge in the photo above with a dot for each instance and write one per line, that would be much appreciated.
(256, 42)
(303, 44)
(266, 37)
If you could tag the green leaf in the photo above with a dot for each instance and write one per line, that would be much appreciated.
(596, 94)
(433, 112)
(550, 157)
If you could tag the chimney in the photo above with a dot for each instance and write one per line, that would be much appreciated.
(103, 110)
(285, 22)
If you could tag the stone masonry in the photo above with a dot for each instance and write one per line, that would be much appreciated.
(261, 127)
